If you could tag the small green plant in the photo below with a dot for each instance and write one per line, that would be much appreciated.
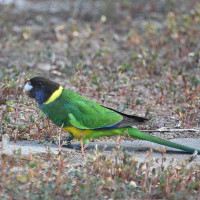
(118, 176)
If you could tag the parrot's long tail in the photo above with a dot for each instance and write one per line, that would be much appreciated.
(134, 133)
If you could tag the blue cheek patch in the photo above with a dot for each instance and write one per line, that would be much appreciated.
(39, 96)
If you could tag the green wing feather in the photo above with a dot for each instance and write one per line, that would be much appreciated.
(73, 109)
(85, 114)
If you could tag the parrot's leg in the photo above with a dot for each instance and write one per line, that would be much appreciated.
(78, 147)
(66, 141)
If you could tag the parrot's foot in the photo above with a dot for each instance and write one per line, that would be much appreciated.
(67, 144)
(65, 141)
(62, 142)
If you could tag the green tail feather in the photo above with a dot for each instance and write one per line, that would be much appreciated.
(140, 135)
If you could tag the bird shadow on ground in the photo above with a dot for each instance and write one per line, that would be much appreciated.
(111, 146)
(102, 146)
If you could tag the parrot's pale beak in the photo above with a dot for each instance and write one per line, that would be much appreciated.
(28, 87)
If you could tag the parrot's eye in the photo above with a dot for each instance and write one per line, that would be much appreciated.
(39, 84)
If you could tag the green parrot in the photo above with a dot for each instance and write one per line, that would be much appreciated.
(83, 118)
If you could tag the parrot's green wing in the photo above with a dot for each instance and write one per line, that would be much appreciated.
(85, 114)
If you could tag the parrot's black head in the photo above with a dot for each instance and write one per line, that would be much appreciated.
(41, 88)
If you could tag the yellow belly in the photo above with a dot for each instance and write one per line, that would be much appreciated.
(78, 133)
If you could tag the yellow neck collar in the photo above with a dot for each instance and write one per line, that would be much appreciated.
(55, 95)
